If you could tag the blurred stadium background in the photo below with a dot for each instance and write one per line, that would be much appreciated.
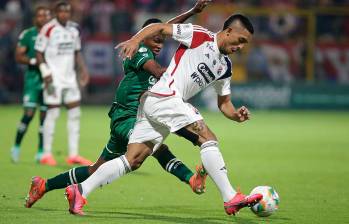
(299, 57)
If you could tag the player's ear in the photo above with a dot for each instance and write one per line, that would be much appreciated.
(228, 31)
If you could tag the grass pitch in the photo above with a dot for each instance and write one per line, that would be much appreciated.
(304, 155)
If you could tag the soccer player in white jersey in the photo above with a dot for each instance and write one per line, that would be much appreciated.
(200, 61)
(58, 49)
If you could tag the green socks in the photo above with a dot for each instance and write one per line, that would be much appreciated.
(172, 165)
(22, 129)
(73, 176)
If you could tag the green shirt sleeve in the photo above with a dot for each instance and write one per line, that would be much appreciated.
(142, 56)
(23, 39)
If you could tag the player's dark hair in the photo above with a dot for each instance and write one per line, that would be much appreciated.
(151, 21)
(61, 4)
(238, 17)
(39, 8)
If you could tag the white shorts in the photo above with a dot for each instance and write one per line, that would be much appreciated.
(158, 116)
(62, 95)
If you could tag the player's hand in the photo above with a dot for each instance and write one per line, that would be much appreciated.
(242, 114)
(127, 48)
(48, 81)
(200, 5)
(84, 78)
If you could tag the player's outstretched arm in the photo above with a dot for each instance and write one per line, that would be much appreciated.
(84, 77)
(227, 108)
(128, 48)
(198, 7)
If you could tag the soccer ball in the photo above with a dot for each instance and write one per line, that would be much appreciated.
(270, 202)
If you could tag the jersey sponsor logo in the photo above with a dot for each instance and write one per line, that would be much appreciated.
(65, 48)
(206, 73)
(196, 78)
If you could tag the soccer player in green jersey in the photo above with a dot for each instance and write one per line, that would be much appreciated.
(140, 74)
(25, 54)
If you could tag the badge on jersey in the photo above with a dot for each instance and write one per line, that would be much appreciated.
(142, 50)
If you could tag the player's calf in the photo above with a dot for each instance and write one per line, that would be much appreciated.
(136, 154)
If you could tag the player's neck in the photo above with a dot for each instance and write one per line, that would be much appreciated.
(61, 23)
(219, 37)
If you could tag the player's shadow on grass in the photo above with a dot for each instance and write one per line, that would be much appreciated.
(205, 219)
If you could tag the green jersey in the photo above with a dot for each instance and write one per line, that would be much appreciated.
(136, 81)
(27, 39)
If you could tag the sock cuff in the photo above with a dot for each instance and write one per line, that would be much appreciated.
(209, 144)
(126, 163)
(173, 163)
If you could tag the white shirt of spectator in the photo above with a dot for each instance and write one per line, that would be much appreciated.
(196, 65)
(59, 44)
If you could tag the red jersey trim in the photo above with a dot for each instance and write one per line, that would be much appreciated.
(199, 37)
(178, 55)
(48, 32)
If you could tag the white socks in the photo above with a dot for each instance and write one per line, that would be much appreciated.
(49, 128)
(105, 174)
(213, 162)
(73, 126)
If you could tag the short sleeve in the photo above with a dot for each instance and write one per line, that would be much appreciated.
(222, 86)
(78, 43)
(183, 33)
(142, 56)
(41, 42)
(23, 39)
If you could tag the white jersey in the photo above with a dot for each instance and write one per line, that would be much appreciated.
(59, 44)
(196, 64)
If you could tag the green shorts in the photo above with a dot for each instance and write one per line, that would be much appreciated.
(33, 98)
(33, 93)
(120, 130)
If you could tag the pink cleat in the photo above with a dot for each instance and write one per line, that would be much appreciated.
(72, 160)
(47, 159)
(37, 190)
(240, 201)
(198, 181)
(75, 199)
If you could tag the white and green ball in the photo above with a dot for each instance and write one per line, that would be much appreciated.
(270, 202)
